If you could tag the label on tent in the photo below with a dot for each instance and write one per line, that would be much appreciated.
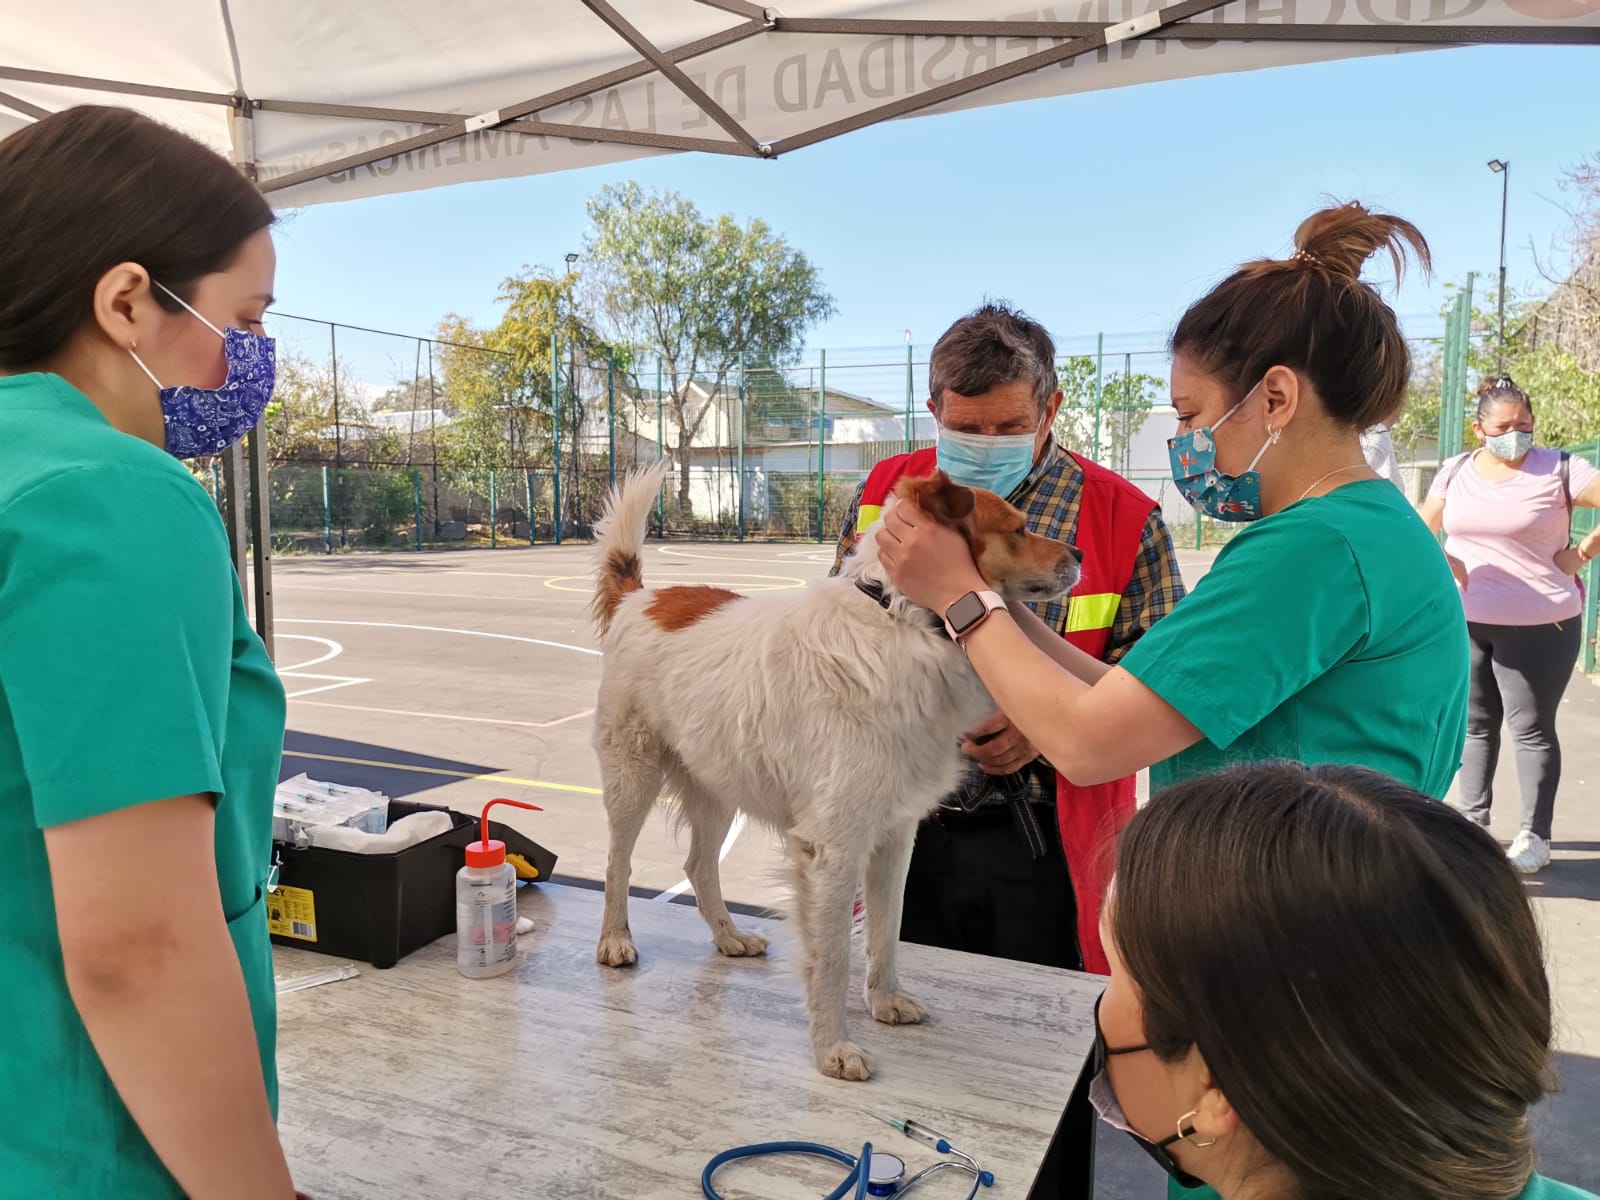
(292, 913)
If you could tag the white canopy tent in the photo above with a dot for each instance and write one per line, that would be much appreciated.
(324, 100)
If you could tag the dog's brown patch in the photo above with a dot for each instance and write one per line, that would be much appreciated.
(676, 608)
(620, 574)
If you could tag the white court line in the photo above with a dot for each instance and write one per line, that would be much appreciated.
(339, 681)
(312, 587)
(334, 650)
(500, 637)
(723, 558)
(401, 712)
(683, 885)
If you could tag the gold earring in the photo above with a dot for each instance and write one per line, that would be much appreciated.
(1189, 1136)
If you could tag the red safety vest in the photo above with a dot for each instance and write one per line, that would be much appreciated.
(1112, 514)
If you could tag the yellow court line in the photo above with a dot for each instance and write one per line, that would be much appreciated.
(389, 766)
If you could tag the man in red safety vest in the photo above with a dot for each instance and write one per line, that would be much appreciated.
(1018, 859)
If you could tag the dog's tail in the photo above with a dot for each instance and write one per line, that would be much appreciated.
(619, 537)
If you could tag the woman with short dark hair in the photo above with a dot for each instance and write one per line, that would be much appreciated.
(141, 722)
(1324, 986)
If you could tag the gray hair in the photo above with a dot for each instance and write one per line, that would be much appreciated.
(993, 345)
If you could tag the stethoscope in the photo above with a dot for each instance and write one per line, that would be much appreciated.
(871, 1173)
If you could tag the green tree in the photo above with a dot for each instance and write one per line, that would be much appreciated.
(500, 389)
(1125, 402)
(1566, 397)
(698, 293)
(299, 420)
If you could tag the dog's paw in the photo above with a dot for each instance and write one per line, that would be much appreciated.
(845, 1060)
(616, 950)
(737, 944)
(896, 1008)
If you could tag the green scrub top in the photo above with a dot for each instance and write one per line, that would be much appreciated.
(1329, 632)
(128, 673)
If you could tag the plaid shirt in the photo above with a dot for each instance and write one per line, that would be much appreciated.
(1050, 497)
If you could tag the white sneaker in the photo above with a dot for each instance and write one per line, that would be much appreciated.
(1529, 853)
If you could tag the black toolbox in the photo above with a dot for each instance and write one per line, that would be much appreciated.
(378, 908)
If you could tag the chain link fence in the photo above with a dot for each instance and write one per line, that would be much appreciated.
(381, 441)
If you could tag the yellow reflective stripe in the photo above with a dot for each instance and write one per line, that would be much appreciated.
(1094, 611)
(866, 515)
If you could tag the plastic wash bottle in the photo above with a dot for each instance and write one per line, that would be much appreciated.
(486, 904)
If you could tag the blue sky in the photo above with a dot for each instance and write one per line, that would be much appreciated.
(1101, 212)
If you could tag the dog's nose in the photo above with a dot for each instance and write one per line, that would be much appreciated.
(1074, 553)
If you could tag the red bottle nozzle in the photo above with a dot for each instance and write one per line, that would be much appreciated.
(486, 853)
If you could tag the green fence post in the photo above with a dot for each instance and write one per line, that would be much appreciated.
(740, 472)
(611, 418)
(822, 437)
(555, 427)
(910, 388)
(533, 523)
(327, 515)
(1099, 389)
(416, 505)
(494, 509)
(661, 453)
(1591, 606)
(1199, 530)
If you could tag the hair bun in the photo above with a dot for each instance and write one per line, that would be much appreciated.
(1343, 238)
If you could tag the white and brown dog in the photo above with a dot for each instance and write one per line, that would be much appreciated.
(831, 713)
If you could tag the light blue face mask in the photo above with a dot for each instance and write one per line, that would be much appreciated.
(996, 464)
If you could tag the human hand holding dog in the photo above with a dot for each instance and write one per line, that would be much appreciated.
(1004, 749)
(927, 561)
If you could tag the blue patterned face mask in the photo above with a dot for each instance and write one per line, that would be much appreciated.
(1213, 492)
(203, 421)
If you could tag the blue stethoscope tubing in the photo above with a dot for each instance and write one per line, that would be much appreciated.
(860, 1168)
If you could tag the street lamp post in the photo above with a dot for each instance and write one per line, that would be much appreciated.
(1502, 169)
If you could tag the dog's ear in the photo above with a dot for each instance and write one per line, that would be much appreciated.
(937, 496)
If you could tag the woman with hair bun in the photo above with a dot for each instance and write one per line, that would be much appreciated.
(1323, 629)
(1507, 511)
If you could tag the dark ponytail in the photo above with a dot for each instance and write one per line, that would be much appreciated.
(1312, 313)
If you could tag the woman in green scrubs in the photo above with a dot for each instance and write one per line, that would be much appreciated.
(141, 722)
(1329, 629)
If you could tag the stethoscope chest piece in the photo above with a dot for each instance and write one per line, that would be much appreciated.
(885, 1174)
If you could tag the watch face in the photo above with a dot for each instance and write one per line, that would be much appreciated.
(965, 611)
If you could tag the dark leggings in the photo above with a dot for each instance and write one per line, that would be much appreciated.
(1519, 673)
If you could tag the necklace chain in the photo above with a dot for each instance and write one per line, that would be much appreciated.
(1324, 479)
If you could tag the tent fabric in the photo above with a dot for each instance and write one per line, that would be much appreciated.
(353, 98)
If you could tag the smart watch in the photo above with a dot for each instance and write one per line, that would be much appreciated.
(967, 613)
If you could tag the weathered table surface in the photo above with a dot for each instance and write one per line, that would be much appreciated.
(567, 1079)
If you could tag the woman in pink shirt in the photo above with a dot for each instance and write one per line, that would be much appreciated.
(1507, 512)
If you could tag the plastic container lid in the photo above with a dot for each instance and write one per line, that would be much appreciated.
(487, 852)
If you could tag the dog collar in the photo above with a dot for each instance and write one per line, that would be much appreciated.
(876, 592)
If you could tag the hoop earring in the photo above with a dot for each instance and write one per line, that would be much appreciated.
(1189, 1136)
(1273, 435)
